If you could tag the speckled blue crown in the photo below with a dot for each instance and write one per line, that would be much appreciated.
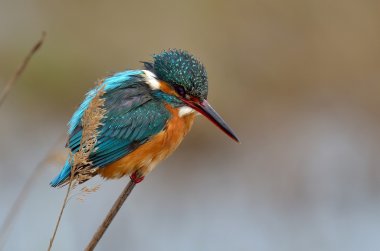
(179, 67)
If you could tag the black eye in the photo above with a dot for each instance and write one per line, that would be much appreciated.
(180, 90)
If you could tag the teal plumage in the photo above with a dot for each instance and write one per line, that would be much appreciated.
(133, 115)
(139, 104)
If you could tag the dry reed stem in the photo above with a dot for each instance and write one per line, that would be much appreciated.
(18, 203)
(60, 214)
(8, 86)
(81, 168)
(21, 197)
(110, 216)
(91, 121)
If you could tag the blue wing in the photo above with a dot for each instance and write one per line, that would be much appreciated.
(133, 116)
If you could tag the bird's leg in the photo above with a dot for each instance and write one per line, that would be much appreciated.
(137, 177)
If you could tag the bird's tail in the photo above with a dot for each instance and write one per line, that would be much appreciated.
(63, 176)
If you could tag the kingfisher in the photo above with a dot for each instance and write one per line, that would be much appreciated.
(148, 113)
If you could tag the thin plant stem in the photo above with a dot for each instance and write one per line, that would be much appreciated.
(91, 120)
(17, 205)
(110, 216)
(61, 212)
(11, 82)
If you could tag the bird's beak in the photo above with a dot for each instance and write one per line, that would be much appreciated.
(203, 107)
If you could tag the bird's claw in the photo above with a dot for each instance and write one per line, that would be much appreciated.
(136, 178)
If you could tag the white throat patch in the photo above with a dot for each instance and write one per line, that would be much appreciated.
(185, 110)
(151, 80)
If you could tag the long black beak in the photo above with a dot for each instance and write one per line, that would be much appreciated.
(205, 109)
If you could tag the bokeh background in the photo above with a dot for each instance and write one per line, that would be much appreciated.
(297, 80)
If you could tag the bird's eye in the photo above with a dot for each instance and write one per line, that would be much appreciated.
(180, 90)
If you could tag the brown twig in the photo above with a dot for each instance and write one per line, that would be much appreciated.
(110, 216)
(8, 86)
(17, 205)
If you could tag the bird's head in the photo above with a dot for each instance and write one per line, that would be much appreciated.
(183, 80)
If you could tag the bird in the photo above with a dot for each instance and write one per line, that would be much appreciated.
(148, 113)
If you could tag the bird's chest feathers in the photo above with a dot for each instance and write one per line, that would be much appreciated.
(160, 146)
(164, 143)
(176, 129)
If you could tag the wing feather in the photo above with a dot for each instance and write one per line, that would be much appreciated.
(133, 116)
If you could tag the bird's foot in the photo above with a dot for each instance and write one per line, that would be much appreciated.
(135, 177)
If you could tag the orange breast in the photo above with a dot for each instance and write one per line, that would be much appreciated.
(160, 146)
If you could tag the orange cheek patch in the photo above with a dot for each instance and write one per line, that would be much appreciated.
(165, 87)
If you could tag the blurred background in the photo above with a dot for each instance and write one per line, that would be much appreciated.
(297, 80)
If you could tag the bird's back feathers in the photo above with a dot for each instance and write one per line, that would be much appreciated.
(132, 117)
